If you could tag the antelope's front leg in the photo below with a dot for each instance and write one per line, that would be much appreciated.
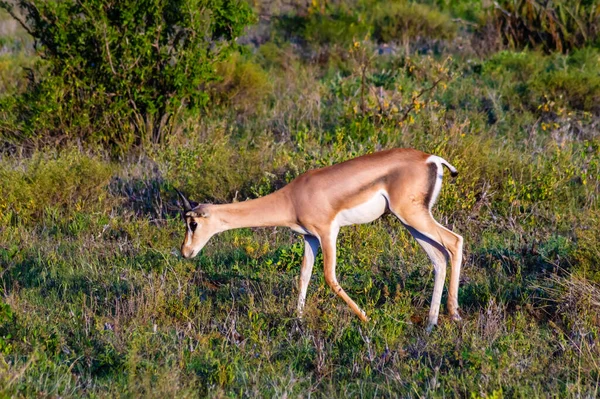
(311, 246)
(328, 246)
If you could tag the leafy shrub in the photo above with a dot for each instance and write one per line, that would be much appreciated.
(119, 72)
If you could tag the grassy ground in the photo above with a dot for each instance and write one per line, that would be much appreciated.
(97, 301)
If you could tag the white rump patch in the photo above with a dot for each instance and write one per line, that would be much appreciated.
(438, 181)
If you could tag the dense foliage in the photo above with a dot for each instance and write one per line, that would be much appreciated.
(95, 300)
(122, 71)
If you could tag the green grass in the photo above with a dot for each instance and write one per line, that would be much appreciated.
(96, 300)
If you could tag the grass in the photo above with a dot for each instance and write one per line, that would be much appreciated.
(97, 302)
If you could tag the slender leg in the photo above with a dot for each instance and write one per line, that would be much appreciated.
(311, 246)
(456, 251)
(328, 246)
(440, 244)
(438, 256)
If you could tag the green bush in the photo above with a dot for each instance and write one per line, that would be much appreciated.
(120, 72)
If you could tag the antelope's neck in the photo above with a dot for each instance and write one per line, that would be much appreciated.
(271, 210)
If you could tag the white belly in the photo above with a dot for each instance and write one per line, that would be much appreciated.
(299, 229)
(365, 212)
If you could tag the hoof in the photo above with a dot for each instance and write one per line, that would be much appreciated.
(430, 328)
(456, 317)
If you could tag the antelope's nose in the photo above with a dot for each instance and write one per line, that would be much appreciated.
(186, 252)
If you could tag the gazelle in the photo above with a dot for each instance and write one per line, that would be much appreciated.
(404, 182)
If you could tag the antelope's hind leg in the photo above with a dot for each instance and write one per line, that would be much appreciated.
(440, 244)
(311, 246)
(438, 256)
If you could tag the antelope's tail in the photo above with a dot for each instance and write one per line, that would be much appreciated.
(452, 169)
(442, 161)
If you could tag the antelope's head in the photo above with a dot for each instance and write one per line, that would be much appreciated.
(199, 226)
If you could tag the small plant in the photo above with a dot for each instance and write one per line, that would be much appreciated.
(393, 96)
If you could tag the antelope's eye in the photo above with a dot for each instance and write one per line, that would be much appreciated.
(193, 226)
